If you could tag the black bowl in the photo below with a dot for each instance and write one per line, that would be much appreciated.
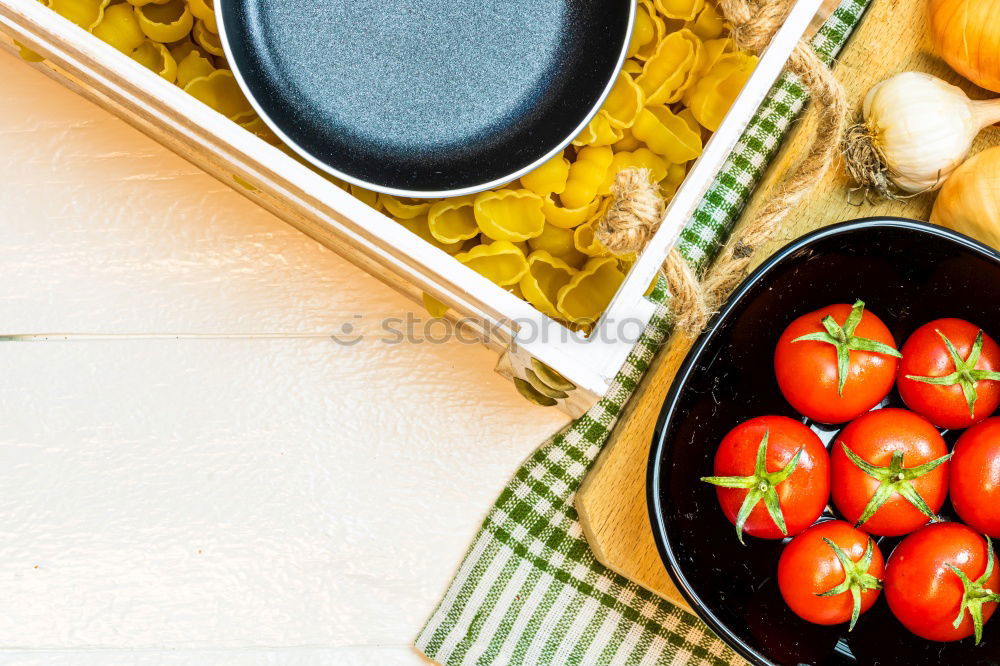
(426, 98)
(906, 272)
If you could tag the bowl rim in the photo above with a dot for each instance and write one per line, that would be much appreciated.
(626, 40)
(659, 444)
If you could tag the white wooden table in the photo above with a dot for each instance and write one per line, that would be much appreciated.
(215, 501)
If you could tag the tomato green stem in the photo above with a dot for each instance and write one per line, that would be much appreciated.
(966, 374)
(856, 577)
(844, 340)
(976, 594)
(892, 480)
(760, 486)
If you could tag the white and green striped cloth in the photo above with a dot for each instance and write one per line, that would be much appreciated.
(529, 590)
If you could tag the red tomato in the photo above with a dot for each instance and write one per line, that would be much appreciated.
(811, 566)
(768, 471)
(926, 594)
(956, 387)
(836, 363)
(897, 477)
(975, 477)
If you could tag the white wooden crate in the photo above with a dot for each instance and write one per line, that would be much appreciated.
(374, 242)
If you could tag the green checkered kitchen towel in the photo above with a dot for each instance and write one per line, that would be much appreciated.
(529, 590)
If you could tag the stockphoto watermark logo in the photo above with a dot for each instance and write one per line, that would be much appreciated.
(415, 330)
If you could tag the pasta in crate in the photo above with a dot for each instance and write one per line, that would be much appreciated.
(534, 237)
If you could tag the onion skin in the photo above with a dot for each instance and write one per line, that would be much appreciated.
(966, 34)
(969, 202)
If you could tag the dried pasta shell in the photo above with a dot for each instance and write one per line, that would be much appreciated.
(509, 215)
(418, 225)
(712, 96)
(501, 262)
(667, 134)
(672, 69)
(84, 13)
(567, 218)
(204, 11)
(624, 102)
(143, 3)
(646, 51)
(600, 131)
(434, 307)
(675, 175)
(180, 50)
(207, 39)
(708, 24)
(155, 57)
(586, 175)
(168, 22)
(628, 142)
(540, 285)
(365, 196)
(119, 27)
(643, 30)
(220, 91)
(259, 128)
(632, 67)
(712, 50)
(403, 208)
(642, 158)
(549, 178)
(684, 10)
(453, 220)
(559, 243)
(192, 66)
(586, 242)
(587, 294)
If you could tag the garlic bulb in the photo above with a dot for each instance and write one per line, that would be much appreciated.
(917, 129)
(970, 201)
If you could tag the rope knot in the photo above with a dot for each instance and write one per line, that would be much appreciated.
(634, 214)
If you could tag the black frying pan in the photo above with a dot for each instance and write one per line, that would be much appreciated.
(426, 98)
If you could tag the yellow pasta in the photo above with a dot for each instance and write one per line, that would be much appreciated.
(672, 69)
(546, 275)
(643, 30)
(586, 175)
(601, 131)
(659, 28)
(258, 127)
(434, 307)
(632, 67)
(643, 158)
(366, 196)
(169, 22)
(192, 66)
(403, 208)
(419, 226)
(712, 96)
(453, 220)
(628, 142)
(586, 242)
(549, 178)
(558, 242)
(220, 91)
(684, 10)
(708, 24)
(667, 134)
(204, 11)
(509, 215)
(624, 102)
(587, 294)
(155, 56)
(567, 218)
(120, 28)
(85, 13)
(501, 262)
(207, 39)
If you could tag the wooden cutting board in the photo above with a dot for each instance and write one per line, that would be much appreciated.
(892, 38)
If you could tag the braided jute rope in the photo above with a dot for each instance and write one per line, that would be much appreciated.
(637, 207)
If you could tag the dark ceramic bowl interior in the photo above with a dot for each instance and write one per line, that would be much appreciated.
(426, 97)
(906, 272)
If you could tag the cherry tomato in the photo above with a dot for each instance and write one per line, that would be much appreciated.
(831, 573)
(927, 593)
(836, 363)
(889, 471)
(975, 477)
(772, 477)
(950, 373)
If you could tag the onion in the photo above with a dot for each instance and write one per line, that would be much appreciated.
(966, 33)
(969, 202)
